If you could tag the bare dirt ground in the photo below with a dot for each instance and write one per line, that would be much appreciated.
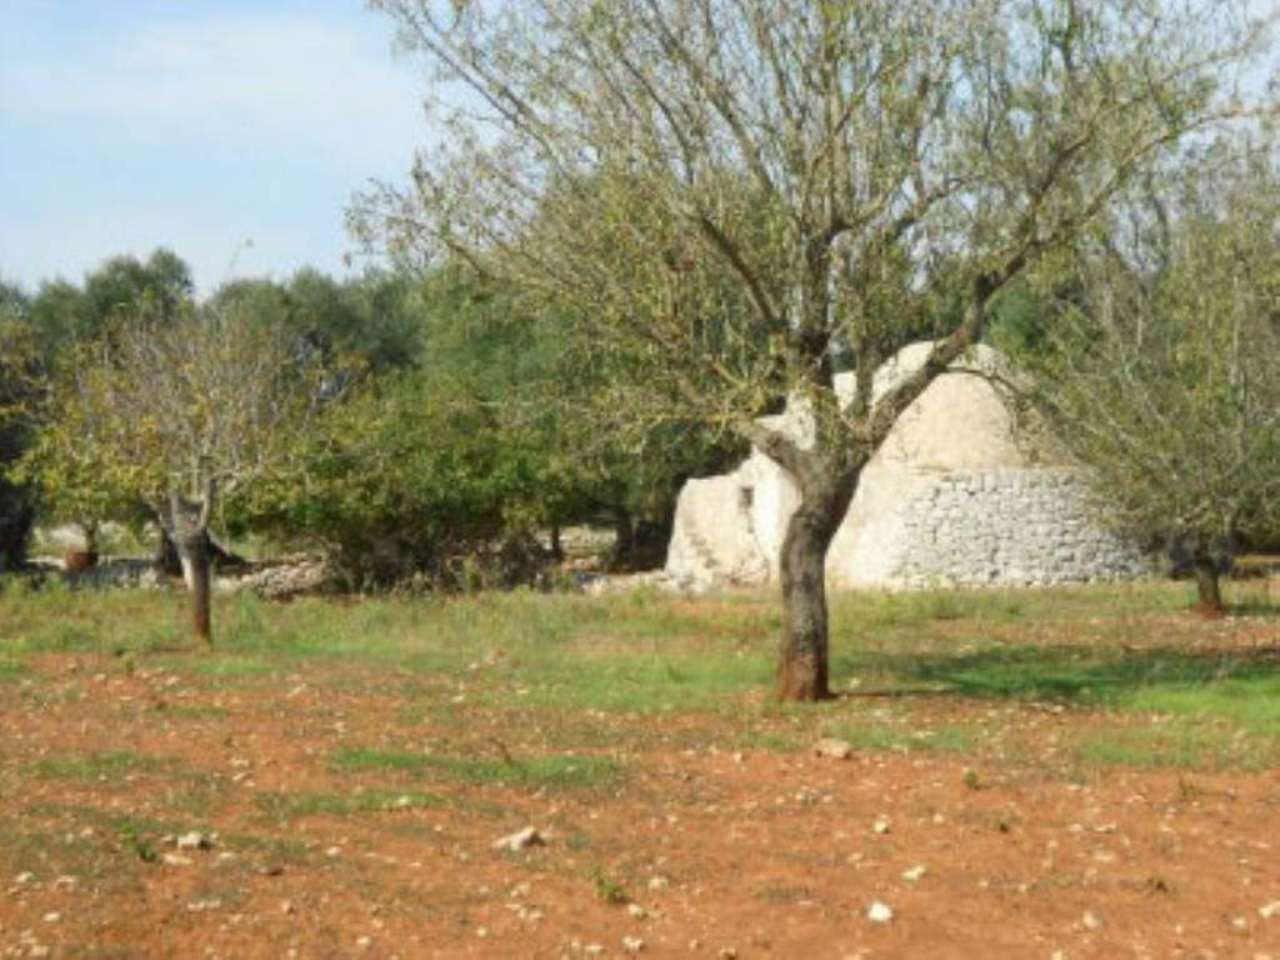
(706, 844)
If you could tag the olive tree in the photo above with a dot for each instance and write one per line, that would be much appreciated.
(750, 194)
(1163, 376)
(182, 412)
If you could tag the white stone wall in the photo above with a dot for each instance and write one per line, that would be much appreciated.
(1013, 527)
(952, 497)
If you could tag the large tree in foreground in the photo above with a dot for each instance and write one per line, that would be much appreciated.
(748, 194)
(180, 411)
(1163, 374)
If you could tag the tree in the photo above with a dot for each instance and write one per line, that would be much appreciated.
(559, 401)
(65, 314)
(21, 382)
(747, 194)
(374, 320)
(1164, 378)
(183, 410)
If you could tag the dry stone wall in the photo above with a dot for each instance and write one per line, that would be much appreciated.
(1013, 527)
(953, 497)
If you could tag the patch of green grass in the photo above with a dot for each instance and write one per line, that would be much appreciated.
(1178, 746)
(111, 766)
(107, 847)
(198, 795)
(231, 666)
(77, 815)
(1247, 696)
(913, 609)
(630, 681)
(555, 771)
(272, 849)
(608, 889)
(137, 842)
(549, 665)
(779, 741)
(193, 712)
(287, 806)
(11, 669)
(1100, 674)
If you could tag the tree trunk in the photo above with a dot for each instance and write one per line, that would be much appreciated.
(803, 660)
(1210, 595)
(193, 554)
(186, 523)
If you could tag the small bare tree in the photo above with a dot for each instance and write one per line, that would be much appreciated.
(180, 413)
(750, 194)
(1164, 377)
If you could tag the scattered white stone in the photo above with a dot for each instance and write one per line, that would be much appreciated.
(199, 906)
(364, 943)
(659, 882)
(333, 852)
(833, 748)
(637, 911)
(195, 840)
(632, 944)
(520, 840)
(593, 950)
(879, 912)
(175, 860)
(65, 882)
(286, 906)
(52, 917)
(912, 874)
(1091, 920)
(1239, 923)
(881, 825)
(1270, 910)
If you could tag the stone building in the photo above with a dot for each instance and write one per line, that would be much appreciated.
(951, 499)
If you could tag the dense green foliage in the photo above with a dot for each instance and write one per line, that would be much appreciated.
(20, 371)
(450, 423)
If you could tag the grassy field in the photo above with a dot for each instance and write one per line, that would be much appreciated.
(1129, 651)
(390, 719)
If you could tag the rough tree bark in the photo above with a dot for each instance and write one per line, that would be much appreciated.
(187, 524)
(825, 492)
(1206, 573)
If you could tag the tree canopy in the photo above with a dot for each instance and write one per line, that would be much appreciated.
(744, 195)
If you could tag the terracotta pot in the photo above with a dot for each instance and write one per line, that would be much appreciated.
(75, 561)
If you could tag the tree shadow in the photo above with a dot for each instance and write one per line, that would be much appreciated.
(1061, 672)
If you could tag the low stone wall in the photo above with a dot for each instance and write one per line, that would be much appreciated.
(1014, 527)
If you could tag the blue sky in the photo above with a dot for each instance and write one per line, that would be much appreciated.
(233, 132)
